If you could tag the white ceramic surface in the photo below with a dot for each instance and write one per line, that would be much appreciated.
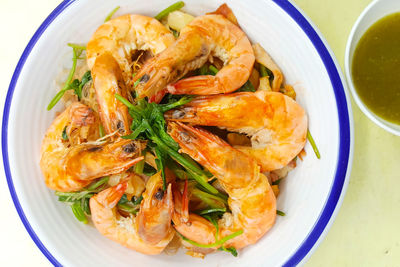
(372, 13)
(303, 194)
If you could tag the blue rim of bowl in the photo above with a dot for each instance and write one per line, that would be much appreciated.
(343, 115)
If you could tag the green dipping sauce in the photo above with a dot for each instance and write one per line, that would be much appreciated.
(376, 68)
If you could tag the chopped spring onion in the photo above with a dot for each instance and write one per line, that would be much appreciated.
(280, 213)
(263, 71)
(77, 46)
(148, 170)
(314, 146)
(171, 8)
(85, 79)
(139, 167)
(128, 208)
(85, 205)
(213, 245)
(247, 87)
(78, 212)
(208, 211)
(213, 69)
(175, 33)
(215, 202)
(95, 185)
(123, 199)
(213, 220)
(64, 134)
(136, 82)
(111, 14)
(231, 250)
(101, 131)
(73, 196)
(124, 101)
(75, 85)
(138, 200)
(149, 120)
(203, 70)
(160, 161)
(60, 94)
(277, 182)
(87, 193)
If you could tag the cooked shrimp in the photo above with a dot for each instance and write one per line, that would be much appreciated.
(276, 123)
(251, 198)
(205, 37)
(71, 165)
(150, 231)
(108, 81)
(124, 35)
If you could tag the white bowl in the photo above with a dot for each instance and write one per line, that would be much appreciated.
(371, 14)
(310, 196)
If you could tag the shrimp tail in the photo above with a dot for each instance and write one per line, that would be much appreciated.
(109, 198)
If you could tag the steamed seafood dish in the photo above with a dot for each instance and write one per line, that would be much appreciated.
(173, 131)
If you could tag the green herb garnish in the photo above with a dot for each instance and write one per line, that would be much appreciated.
(171, 8)
(148, 170)
(203, 70)
(139, 167)
(138, 200)
(149, 123)
(212, 210)
(160, 161)
(75, 85)
(78, 212)
(85, 205)
(96, 184)
(231, 250)
(66, 87)
(247, 87)
(111, 14)
(87, 77)
(277, 182)
(213, 245)
(263, 71)
(280, 213)
(129, 206)
(64, 134)
(80, 200)
(175, 33)
(77, 46)
(314, 146)
(213, 69)
(212, 200)
(101, 131)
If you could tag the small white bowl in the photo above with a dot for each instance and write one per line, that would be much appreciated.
(371, 14)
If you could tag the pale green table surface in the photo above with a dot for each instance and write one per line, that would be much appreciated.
(366, 230)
